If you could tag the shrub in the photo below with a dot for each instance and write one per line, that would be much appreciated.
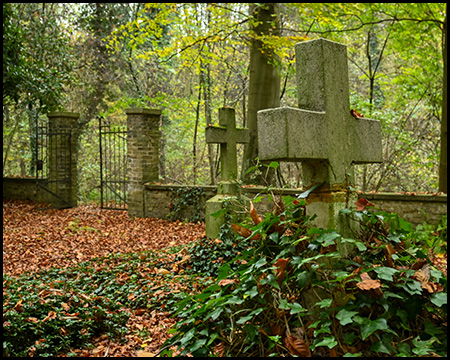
(292, 293)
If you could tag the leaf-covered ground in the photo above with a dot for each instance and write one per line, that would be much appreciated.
(41, 239)
(144, 282)
(36, 240)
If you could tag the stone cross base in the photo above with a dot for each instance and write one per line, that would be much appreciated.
(327, 205)
(215, 204)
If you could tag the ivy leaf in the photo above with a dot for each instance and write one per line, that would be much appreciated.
(384, 346)
(249, 316)
(439, 299)
(328, 238)
(368, 327)
(328, 341)
(270, 279)
(283, 304)
(223, 272)
(296, 308)
(325, 303)
(345, 317)
(385, 273)
(198, 344)
(215, 314)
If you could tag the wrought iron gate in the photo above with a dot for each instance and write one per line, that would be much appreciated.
(53, 163)
(113, 165)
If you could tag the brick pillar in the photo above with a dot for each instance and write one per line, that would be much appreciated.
(143, 155)
(63, 158)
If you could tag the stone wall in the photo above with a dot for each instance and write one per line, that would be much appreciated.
(158, 198)
(19, 188)
(413, 208)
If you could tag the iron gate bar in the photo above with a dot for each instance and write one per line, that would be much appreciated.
(113, 190)
(113, 165)
(59, 143)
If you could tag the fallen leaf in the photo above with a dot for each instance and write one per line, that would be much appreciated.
(388, 252)
(145, 354)
(356, 114)
(423, 276)
(32, 319)
(362, 203)
(254, 215)
(163, 271)
(277, 328)
(51, 315)
(18, 307)
(244, 232)
(280, 271)
(297, 346)
(225, 282)
(98, 350)
(368, 283)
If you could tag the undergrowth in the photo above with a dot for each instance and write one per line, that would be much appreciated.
(283, 289)
(53, 311)
(288, 291)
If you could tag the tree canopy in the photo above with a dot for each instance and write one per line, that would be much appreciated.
(190, 59)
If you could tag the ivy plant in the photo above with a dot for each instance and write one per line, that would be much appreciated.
(292, 293)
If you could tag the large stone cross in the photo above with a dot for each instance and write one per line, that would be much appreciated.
(321, 133)
(228, 136)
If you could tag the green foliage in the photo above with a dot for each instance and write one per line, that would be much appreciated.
(190, 59)
(36, 58)
(293, 281)
(208, 255)
(50, 312)
(187, 198)
(434, 237)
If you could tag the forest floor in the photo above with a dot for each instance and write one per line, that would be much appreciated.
(35, 240)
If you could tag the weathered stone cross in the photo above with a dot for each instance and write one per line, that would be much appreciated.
(228, 136)
(321, 133)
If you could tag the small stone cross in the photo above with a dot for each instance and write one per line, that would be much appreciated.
(321, 133)
(228, 136)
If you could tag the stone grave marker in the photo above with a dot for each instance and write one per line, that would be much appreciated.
(321, 133)
(228, 136)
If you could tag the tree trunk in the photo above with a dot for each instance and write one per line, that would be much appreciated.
(197, 119)
(443, 157)
(264, 87)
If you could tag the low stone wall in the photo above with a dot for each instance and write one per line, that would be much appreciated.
(415, 209)
(158, 200)
(19, 188)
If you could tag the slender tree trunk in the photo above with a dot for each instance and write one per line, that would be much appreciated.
(206, 75)
(194, 143)
(443, 157)
(206, 80)
(264, 87)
